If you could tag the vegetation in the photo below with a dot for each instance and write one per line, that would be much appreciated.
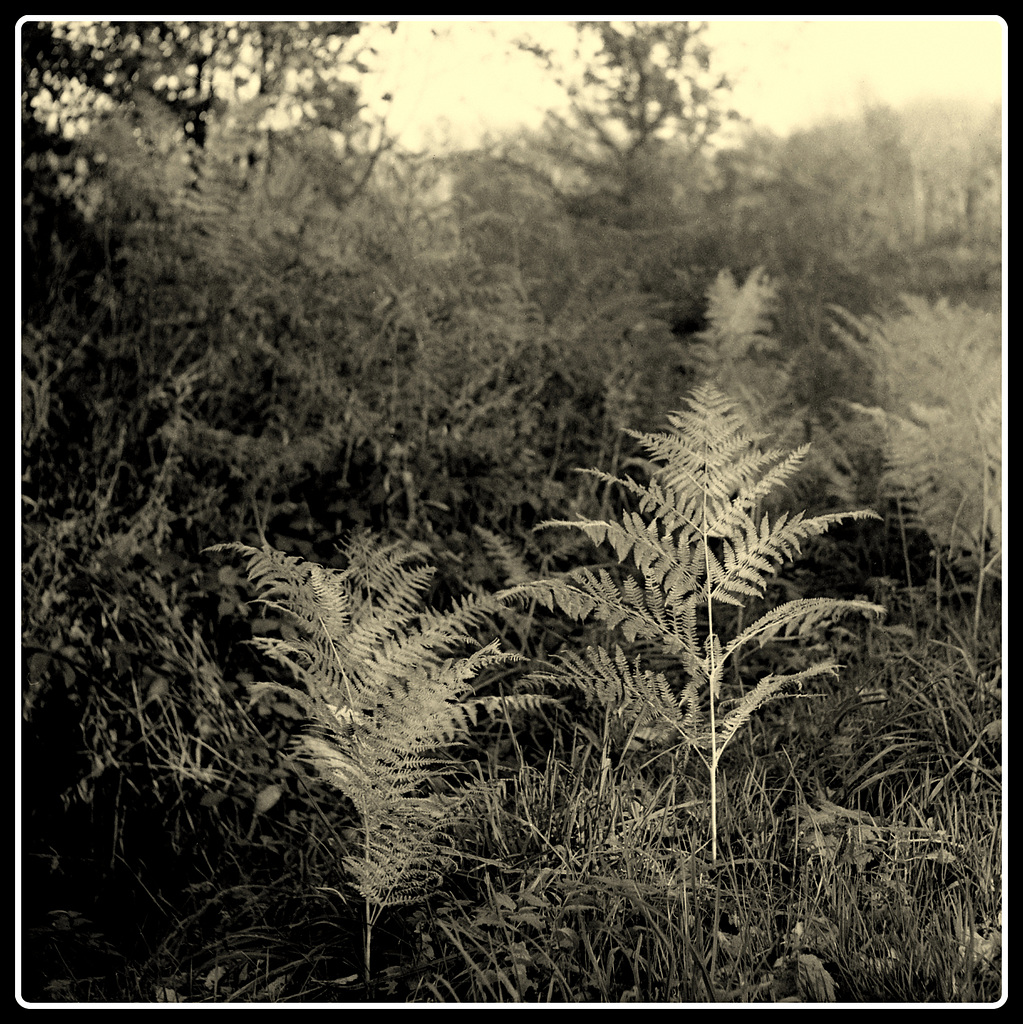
(340, 683)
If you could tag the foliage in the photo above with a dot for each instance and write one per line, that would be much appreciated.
(645, 83)
(847, 212)
(955, 150)
(742, 354)
(189, 68)
(943, 446)
(239, 298)
(622, 166)
(700, 541)
(383, 700)
(737, 352)
(597, 892)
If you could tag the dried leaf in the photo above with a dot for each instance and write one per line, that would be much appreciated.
(268, 796)
(814, 983)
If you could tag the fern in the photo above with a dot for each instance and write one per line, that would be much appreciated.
(739, 317)
(742, 356)
(697, 541)
(938, 375)
(737, 353)
(384, 695)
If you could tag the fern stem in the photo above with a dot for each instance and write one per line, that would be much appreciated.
(712, 678)
(367, 949)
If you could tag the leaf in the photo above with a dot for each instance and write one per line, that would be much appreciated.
(814, 982)
(944, 457)
(694, 539)
(739, 316)
(267, 797)
(377, 678)
(993, 730)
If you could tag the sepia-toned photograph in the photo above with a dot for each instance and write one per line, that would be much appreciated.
(510, 512)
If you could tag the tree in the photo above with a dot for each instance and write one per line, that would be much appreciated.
(956, 153)
(645, 105)
(162, 141)
(193, 68)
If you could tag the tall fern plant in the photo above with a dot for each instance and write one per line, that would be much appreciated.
(701, 545)
(938, 378)
(384, 697)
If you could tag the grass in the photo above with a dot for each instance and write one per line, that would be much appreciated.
(860, 861)
(878, 883)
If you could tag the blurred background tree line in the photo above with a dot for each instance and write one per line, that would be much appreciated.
(244, 302)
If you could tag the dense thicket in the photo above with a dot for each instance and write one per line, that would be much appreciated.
(247, 314)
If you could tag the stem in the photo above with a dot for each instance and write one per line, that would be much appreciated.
(712, 679)
(367, 942)
(605, 756)
(985, 518)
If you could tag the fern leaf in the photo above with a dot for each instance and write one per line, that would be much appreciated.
(552, 594)
(697, 539)
(384, 690)
(513, 566)
(943, 442)
(768, 688)
(739, 316)
(609, 680)
(798, 618)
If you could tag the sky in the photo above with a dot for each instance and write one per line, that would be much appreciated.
(459, 77)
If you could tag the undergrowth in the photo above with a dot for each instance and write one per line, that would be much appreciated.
(199, 351)
(846, 866)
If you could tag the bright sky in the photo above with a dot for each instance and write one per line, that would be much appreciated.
(787, 73)
(791, 73)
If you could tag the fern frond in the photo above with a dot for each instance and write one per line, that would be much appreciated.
(385, 685)
(552, 594)
(697, 539)
(739, 316)
(769, 688)
(609, 679)
(510, 561)
(403, 858)
(943, 441)
(752, 553)
(797, 618)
